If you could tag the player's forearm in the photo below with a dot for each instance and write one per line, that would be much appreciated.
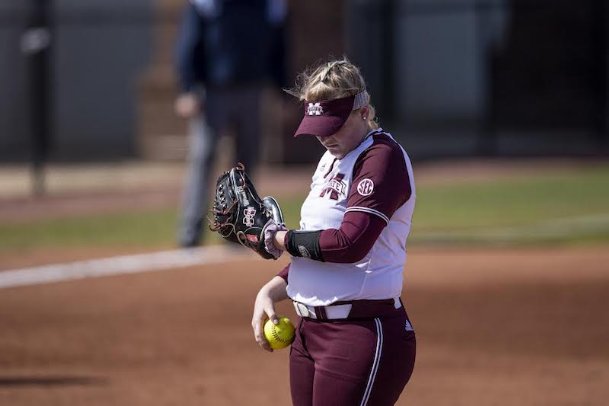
(350, 243)
(353, 240)
(275, 289)
(280, 239)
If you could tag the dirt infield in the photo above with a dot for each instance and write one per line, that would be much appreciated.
(495, 327)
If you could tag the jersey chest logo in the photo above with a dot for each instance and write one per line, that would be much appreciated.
(335, 187)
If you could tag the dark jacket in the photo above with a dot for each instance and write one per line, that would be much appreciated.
(237, 44)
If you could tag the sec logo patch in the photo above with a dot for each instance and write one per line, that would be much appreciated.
(365, 187)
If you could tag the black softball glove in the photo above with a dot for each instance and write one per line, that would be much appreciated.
(239, 215)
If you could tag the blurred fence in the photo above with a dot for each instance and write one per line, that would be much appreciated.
(69, 71)
(448, 77)
(462, 77)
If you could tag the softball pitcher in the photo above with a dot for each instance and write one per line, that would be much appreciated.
(354, 343)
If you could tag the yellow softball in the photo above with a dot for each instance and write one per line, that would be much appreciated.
(279, 335)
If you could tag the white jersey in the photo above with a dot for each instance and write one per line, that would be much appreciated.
(339, 186)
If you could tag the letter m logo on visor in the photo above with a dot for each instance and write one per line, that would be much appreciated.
(314, 109)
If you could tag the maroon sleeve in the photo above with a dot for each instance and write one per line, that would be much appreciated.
(353, 240)
(284, 273)
(380, 186)
(380, 182)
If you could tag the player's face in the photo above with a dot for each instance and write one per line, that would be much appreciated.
(348, 137)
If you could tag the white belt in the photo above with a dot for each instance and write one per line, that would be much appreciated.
(332, 312)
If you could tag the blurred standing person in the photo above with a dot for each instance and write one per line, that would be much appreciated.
(227, 52)
(355, 344)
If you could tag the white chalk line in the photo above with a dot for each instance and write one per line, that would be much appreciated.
(120, 265)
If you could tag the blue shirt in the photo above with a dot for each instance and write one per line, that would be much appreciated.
(228, 42)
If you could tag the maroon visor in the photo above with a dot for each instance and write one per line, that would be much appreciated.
(325, 118)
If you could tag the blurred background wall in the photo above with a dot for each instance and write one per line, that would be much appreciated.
(487, 77)
(98, 49)
(448, 77)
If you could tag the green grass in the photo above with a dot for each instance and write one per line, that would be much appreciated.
(567, 208)
(155, 228)
(130, 229)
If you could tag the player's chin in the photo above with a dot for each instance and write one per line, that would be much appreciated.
(336, 151)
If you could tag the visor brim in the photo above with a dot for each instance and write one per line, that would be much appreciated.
(321, 126)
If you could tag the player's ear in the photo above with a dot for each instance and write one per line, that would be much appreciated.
(364, 112)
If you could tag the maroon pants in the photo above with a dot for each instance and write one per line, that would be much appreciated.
(354, 362)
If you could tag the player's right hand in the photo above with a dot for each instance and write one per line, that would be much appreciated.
(264, 308)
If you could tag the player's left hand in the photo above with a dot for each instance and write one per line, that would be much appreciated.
(270, 229)
(241, 216)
